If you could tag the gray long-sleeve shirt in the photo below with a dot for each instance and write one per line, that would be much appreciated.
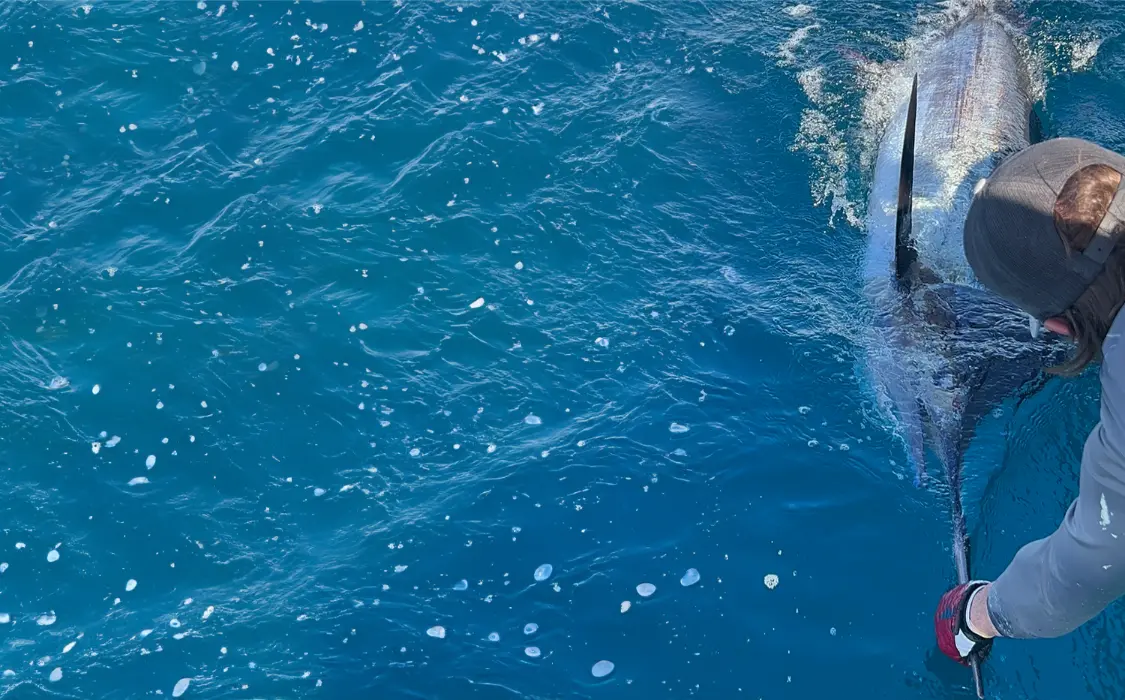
(1055, 584)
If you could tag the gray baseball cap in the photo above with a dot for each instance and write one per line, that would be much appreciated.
(1010, 237)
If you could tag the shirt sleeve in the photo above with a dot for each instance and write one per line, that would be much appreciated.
(1056, 584)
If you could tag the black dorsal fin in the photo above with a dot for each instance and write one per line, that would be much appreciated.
(905, 255)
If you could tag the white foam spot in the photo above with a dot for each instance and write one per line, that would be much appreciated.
(532, 419)
(5, 618)
(112, 442)
(530, 628)
(174, 623)
(494, 637)
(68, 647)
(1104, 519)
(181, 687)
(415, 452)
(602, 669)
(603, 342)
(625, 605)
(358, 26)
(150, 461)
(207, 613)
(677, 428)
(544, 572)
(533, 652)
(644, 590)
(53, 556)
(537, 108)
(56, 675)
(1083, 53)
(800, 10)
(491, 448)
(555, 36)
(436, 631)
(771, 581)
(399, 568)
(318, 492)
(130, 584)
(690, 578)
(59, 383)
(96, 390)
(144, 633)
(477, 304)
(234, 66)
(20, 545)
(159, 405)
(138, 480)
(461, 585)
(95, 447)
(262, 367)
(46, 620)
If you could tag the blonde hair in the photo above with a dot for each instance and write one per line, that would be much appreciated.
(1079, 209)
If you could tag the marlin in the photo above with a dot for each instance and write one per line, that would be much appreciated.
(944, 352)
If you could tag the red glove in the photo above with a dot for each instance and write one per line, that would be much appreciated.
(951, 624)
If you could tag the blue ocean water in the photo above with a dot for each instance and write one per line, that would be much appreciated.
(326, 324)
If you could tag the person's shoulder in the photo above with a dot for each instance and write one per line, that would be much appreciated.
(1113, 353)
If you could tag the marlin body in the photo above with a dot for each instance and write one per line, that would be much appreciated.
(944, 352)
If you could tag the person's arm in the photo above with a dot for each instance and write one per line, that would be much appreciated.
(1058, 583)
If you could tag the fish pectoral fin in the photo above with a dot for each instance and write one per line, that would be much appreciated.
(905, 253)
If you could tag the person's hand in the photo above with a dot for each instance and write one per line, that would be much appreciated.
(951, 625)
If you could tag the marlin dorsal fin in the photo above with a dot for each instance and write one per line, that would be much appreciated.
(905, 254)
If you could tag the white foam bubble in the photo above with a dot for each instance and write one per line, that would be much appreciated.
(96, 390)
(262, 367)
(46, 620)
(59, 383)
(532, 419)
(5, 618)
(493, 637)
(602, 342)
(112, 442)
(602, 669)
(625, 605)
(678, 428)
(207, 613)
(181, 687)
(138, 480)
(53, 556)
(530, 628)
(130, 584)
(477, 304)
(644, 590)
(95, 447)
(690, 578)
(491, 448)
(771, 581)
(56, 675)
(461, 585)
(399, 568)
(68, 647)
(234, 66)
(319, 492)
(537, 109)
(150, 461)
(174, 623)
(533, 652)
(1083, 53)
(544, 572)
(436, 631)
(358, 26)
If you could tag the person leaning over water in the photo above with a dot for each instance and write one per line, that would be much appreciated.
(1043, 231)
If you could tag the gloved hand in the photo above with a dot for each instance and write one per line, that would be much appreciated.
(951, 625)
